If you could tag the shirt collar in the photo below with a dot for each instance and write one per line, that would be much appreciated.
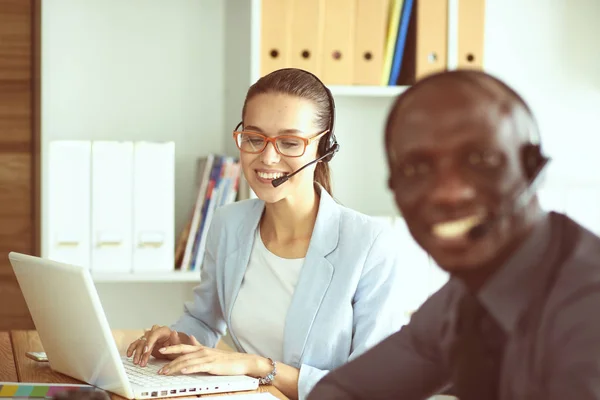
(508, 293)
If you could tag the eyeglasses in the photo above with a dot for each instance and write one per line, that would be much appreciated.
(286, 145)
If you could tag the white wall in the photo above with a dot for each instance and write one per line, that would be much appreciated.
(136, 70)
(550, 55)
(359, 170)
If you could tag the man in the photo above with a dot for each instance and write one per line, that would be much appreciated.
(517, 319)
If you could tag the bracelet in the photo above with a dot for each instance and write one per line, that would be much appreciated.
(269, 378)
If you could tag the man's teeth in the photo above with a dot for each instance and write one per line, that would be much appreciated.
(456, 228)
(270, 175)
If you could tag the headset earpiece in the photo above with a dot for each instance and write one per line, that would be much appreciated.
(329, 145)
(533, 160)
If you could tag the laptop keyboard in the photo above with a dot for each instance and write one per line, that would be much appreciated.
(148, 376)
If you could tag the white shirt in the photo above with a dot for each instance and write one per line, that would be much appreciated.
(258, 316)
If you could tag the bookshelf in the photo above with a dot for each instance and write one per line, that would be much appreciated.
(360, 112)
(166, 277)
(367, 91)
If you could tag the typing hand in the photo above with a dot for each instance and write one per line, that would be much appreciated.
(197, 358)
(148, 344)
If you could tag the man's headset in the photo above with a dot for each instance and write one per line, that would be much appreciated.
(328, 145)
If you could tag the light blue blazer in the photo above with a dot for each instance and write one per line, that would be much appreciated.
(345, 301)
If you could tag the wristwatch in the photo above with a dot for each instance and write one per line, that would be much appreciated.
(269, 378)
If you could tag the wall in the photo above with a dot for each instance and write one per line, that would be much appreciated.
(136, 70)
(550, 55)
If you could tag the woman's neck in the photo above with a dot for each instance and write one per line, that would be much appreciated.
(290, 219)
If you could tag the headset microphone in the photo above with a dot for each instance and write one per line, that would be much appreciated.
(521, 200)
(283, 179)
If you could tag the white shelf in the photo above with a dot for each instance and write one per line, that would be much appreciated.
(368, 91)
(166, 277)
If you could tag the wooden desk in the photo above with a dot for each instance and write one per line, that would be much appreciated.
(16, 367)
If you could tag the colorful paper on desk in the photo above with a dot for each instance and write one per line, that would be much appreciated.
(13, 390)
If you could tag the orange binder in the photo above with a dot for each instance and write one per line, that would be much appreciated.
(306, 29)
(338, 42)
(274, 35)
(432, 37)
(471, 24)
(370, 41)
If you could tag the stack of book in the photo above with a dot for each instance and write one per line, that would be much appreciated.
(219, 178)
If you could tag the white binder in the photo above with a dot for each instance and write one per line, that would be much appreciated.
(154, 207)
(112, 206)
(69, 202)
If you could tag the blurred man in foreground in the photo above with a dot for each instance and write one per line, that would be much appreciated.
(517, 319)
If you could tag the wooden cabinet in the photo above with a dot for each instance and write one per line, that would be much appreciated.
(19, 149)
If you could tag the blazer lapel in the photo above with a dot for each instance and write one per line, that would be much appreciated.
(313, 281)
(235, 263)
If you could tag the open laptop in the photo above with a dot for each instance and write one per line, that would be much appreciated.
(77, 339)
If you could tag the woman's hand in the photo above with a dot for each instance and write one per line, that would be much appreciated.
(154, 339)
(197, 358)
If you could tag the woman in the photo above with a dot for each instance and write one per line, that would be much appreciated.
(301, 283)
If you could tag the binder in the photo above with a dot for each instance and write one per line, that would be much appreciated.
(111, 206)
(69, 177)
(390, 42)
(471, 23)
(274, 35)
(153, 207)
(306, 29)
(370, 40)
(432, 32)
(338, 42)
(399, 50)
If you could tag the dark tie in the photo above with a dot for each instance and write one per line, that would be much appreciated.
(476, 355)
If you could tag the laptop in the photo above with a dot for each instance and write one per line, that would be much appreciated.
(77, 339)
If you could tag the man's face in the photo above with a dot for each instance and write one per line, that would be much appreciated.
(455, 160)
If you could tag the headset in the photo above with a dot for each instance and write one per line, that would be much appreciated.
(328, 145)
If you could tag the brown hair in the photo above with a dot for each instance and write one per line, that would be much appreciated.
(303, 84)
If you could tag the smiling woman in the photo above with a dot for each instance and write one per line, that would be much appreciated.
(296, 113)
(301, 283)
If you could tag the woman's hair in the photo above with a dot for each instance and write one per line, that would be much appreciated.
(302, 84)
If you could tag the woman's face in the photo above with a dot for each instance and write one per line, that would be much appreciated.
(275, 114)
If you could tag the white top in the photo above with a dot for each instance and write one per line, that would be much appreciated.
(258, 316)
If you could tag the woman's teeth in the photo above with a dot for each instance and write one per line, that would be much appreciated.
(270, 175)
(456, 228)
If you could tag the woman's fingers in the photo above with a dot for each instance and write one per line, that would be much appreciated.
(183, 363)
(157, 334)
(179, 349)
